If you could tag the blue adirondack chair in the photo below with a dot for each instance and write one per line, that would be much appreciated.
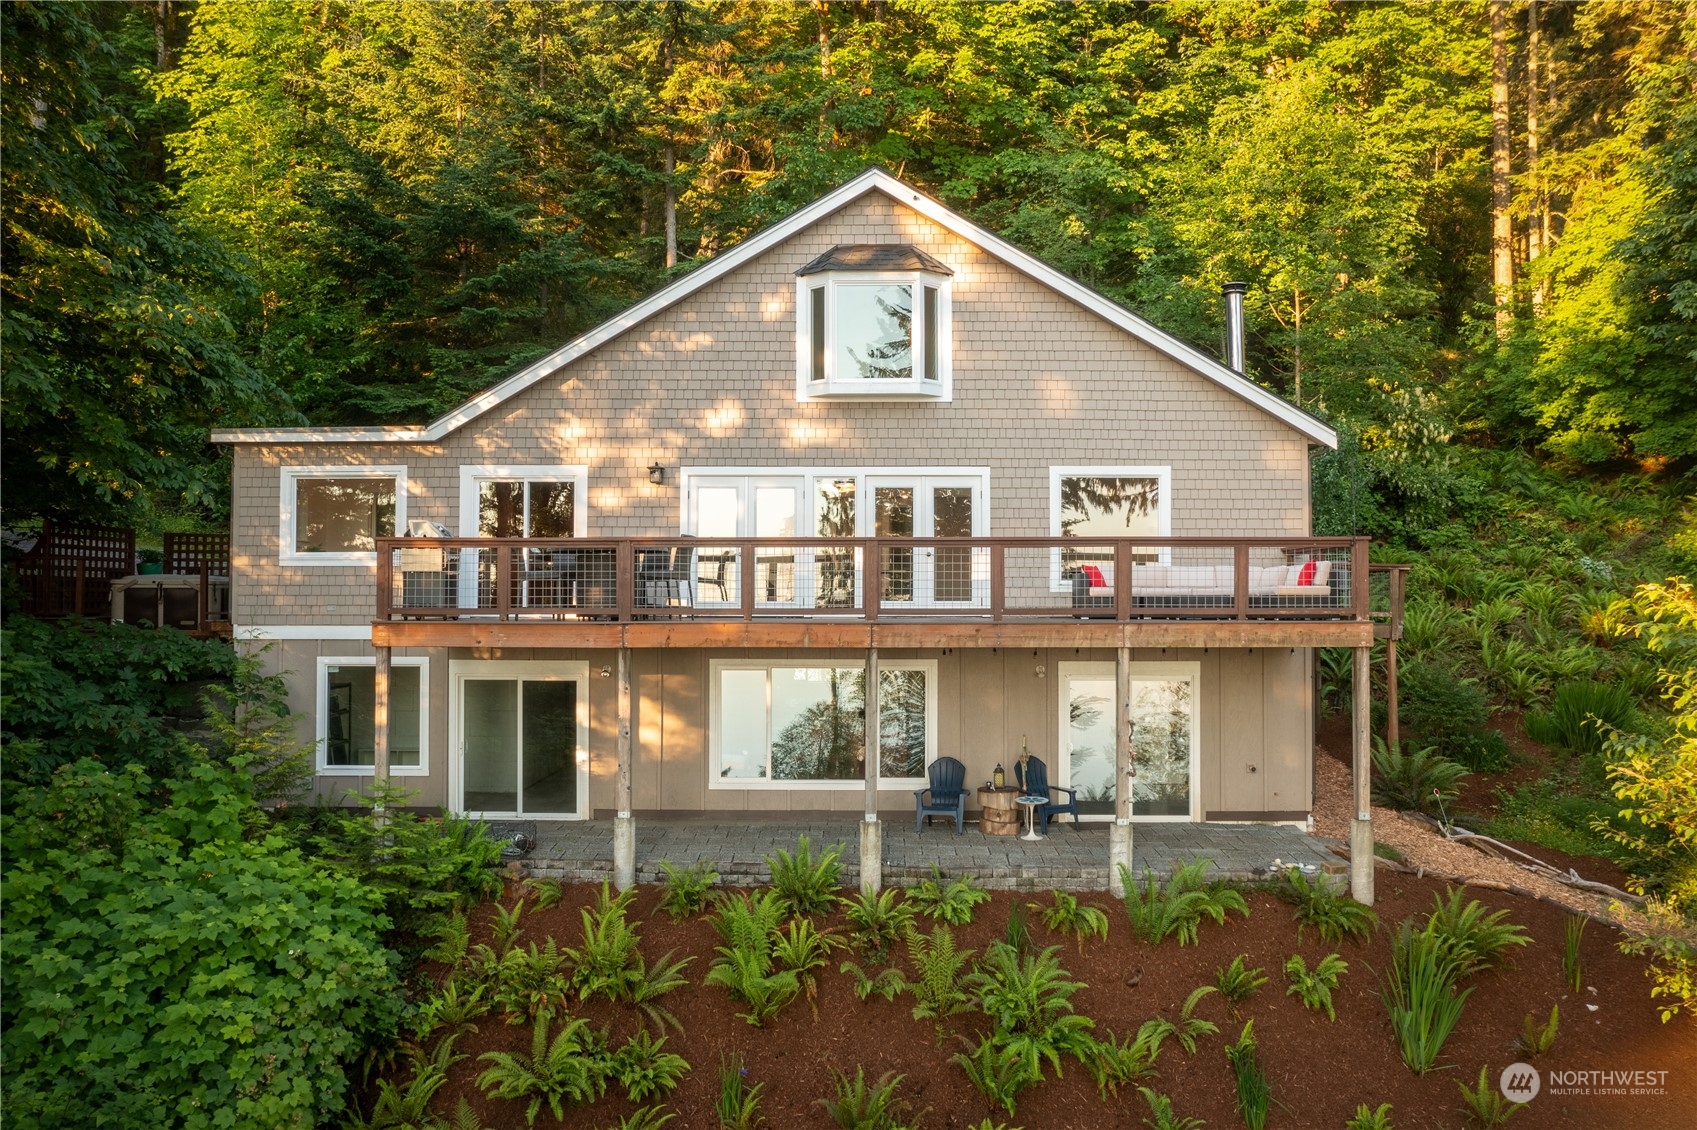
(1033, 780)
(947, 794)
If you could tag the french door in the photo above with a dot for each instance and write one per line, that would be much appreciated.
(748, 506)
(924, 507)
(521, 733)
(1166, 729)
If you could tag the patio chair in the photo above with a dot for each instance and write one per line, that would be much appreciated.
(947, 793)
(1033, 780)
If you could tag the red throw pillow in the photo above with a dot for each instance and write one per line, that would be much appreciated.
(1306, 577)
(1094, 576)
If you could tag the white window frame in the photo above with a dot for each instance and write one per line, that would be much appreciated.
(535, 670)
(716, 711)
(843, 388)
(471, 474)
(288, 492)
(325, 662)
(1181, 669)
(1163, 511)
(808, 478)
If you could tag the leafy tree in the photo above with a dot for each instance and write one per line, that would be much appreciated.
(119, 354)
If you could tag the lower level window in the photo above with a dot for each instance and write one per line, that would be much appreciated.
(781, 724)
(347, 716)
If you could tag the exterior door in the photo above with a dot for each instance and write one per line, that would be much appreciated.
(923, 507)
(1165, 739)
(743, 506)
(521, 731)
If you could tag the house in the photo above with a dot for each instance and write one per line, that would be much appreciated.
(873, 461)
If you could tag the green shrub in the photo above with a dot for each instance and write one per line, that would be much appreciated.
(1420, 994)
(1179, 906)
(686, 889)
(1439, 708)
(1572, 721)
(953, 902)
(162, 967)
(1413, 779)
(109, 692)
(804, 885)
(1325, 905)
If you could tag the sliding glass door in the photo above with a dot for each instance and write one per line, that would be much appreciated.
(1165, 735)
(521, 730)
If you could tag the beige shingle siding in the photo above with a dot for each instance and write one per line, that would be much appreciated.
(711, 381)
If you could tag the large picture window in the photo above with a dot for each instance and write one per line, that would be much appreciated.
(522, 502)
(333, 515)
(1107, 502)
(347, 716)
(791, 725)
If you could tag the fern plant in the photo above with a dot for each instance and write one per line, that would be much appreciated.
(570, 1069)
(1237, 983)
(1420, 994)
(1115, 1062)
(996, 1071)
(643, 1068)
(952, 902)
(801, 948)
(685, 889)
(1326, 906)
(645, 1118)
(750, 979)
(806, 886)
(1475, 939)
(1486, 1104)
(1068, 916)
(610, 963)
(889, 983)
(1017, 935)
(738, 1103)
(1370, 1119)
(408, 1107)
(748, 921)
(449, 1008)
(544, 893)
(1162, 1116)
(1028, 1001)
(1314, 987)
(877, 922)
(1413, 779)
(1536, 1039)
(937, 983)
(1178, 908)
(504, 927)
(859, 1105)
(1188, 1027)
(453, 940)
(531, 981)
(1254, 1094)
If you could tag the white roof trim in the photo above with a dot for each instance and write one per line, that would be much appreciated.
(758, 244)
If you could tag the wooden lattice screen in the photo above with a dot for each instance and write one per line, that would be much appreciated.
(71, 567)
(185, 553)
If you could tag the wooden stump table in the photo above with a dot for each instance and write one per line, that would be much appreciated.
(1000, 816)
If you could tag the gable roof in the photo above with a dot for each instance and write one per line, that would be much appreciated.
(873, 180)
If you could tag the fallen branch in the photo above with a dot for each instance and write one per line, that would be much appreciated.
(1489, 846)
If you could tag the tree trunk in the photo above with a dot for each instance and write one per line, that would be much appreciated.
(1538, 222)
(671, 210)
(1502, 224)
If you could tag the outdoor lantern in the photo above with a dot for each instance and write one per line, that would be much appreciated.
(657, 473)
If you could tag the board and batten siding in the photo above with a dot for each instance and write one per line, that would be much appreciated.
(1255, 721)
(1038, 381)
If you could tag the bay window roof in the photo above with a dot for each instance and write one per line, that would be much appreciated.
(875, 257)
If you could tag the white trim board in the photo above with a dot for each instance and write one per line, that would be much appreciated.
(302, 632)
(873, 180)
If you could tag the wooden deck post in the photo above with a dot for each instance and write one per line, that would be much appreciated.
(871, 832)
(380, 732)
(1393, 728)
(1119, 833)
(624, 824)
(1361, 829)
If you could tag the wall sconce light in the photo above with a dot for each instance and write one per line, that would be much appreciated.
(1041, 671)
(606, 672)
(657, 473)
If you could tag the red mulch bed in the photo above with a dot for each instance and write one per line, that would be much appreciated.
(1319, 1070)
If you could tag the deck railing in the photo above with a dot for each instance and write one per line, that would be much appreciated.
(946, 579)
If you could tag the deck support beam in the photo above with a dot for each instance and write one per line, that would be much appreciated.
(871, 832)
(1119, 832)
(624, 824)
(1361, 780)
(380, 681)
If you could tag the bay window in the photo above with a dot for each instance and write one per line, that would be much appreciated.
(873, 320)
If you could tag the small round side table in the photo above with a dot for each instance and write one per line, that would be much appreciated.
(1030, 804)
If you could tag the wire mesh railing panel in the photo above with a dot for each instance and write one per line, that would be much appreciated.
(1317, 578)
(1179, 578)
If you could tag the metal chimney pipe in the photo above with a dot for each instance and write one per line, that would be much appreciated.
(1234, 324)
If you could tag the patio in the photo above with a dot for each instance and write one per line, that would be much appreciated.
(583, 852)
